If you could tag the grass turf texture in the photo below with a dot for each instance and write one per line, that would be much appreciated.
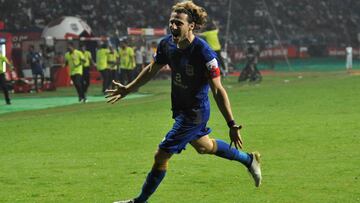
(306, 129)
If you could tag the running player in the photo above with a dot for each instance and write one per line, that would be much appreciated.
(194, 69)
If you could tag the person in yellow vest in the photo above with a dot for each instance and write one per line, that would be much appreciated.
(86, 68)
(127, 63)
(3, 86)
(211, 36)
(102, 65)
(113, 61)
(75, 60)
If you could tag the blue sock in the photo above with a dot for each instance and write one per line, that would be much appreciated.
(224, 151)
(152, 181)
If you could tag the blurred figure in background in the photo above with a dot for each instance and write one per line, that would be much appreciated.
(3, 86)
(86, 67)
(113, 61)
(148, 55)
(75, 59)
(348, 58)
(250, 72)
(127, 63)
(34, 60)
(139, 59)
(150, 52)
(102, 65)
(211, 36)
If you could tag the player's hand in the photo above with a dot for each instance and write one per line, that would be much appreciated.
(235, 137)
(114, 95)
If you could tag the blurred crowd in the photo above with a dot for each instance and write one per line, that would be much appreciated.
(294, 22)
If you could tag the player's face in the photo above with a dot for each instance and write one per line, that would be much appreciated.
(70, 48)
(179, 26)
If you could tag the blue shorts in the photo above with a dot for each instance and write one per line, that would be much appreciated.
(184, 131)
(37, 71)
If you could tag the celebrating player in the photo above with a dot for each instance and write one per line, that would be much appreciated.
(194, 68)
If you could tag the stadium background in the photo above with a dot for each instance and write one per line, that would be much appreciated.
(307, 32)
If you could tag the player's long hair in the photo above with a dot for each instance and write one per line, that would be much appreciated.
(196, 14)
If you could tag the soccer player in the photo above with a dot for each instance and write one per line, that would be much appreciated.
(75, 59)
(3, 86)
(194, 68)
(86, 68)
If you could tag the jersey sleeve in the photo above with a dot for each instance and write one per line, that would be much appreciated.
(160, 55)
(211, 62)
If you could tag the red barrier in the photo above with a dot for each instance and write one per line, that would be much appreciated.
(62, 77)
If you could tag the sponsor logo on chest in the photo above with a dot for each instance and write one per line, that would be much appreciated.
(189, 70)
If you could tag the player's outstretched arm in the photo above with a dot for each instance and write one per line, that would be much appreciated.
(224, 106)
(120, 91)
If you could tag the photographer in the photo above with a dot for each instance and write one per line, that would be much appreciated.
(250, 72)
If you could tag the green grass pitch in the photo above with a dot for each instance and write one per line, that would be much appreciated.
(307, 130)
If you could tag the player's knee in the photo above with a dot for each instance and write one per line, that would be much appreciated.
(162, 166)
(209, 148)
(202, 150)
(161, 161)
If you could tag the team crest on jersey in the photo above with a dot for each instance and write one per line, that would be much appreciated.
(189, 70)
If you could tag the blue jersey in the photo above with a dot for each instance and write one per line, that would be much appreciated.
(191, 68)
(34, 59)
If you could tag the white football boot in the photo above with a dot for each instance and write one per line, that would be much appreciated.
(255, 169)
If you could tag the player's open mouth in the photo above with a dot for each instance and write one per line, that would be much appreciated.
(175, 34)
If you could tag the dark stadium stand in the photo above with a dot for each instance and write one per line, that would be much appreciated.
(298, 22)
